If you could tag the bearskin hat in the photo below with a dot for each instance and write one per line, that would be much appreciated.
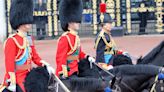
(21, 12)
(70, 11)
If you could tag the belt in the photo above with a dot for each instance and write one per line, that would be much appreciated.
(73, 58)
(23, 67)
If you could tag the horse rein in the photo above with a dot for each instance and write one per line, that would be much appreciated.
(59, 82)
(154, 85)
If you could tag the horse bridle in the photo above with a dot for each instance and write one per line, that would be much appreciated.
(110, 74)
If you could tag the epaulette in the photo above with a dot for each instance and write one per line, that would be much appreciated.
(65, 33)
(16, 42)
(11, 35)
(101, 34)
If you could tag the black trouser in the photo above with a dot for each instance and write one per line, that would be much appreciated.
(143, 26)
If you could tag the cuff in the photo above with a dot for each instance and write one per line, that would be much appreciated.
(12, 78)
(2, 87)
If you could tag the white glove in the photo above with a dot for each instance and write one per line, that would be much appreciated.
(126, 54)
(12, 87)
(161, 70)
(91, 59)
(12, 81)
(110, 67)
(50, 70)
(48, 67)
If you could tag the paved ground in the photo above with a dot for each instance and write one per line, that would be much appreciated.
(135, 45)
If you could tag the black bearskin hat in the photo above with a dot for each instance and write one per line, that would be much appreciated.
(70, 11)
(21, 12)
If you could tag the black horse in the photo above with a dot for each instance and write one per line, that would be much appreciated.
(155, 57)
(143, 82)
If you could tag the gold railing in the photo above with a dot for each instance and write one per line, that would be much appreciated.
(157, 10)
(55, 17)
(9, 29)
(94, 12)
(128, 15)
(158, 13)
(49, 9)
(111, 9)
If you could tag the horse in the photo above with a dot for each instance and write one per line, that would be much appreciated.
(154, 57)
(145, 82)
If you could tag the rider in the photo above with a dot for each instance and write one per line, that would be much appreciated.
(69, 51)
(19, 48)
(105, 45)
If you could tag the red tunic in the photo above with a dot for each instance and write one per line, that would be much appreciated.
(12, 53)
(63, 49)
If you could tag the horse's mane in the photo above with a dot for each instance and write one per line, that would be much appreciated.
(86, 71)
(91, 84)
(153, 53)
(37, 80)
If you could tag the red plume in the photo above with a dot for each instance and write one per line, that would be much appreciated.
(102, 8)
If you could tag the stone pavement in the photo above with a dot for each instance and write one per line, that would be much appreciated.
(135, 45)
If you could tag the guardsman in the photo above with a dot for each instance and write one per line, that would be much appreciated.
(69, 51)
(19, 48)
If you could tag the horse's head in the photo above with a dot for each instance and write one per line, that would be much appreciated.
(85, 69)
(38, 80)
(154, 57)
(121, 60)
